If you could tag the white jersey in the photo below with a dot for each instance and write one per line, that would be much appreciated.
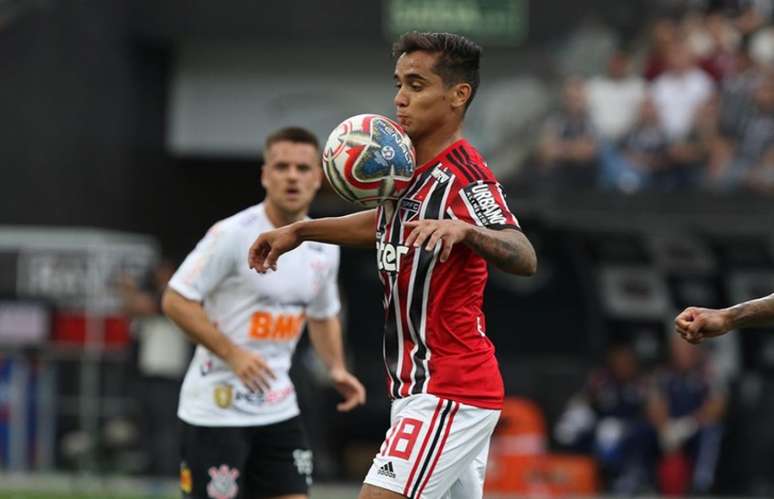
(262, 312)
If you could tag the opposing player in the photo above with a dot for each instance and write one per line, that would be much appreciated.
(695, 324)
(433, 246)
(241, 431)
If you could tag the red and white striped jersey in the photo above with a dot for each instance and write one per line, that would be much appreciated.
(435, 332)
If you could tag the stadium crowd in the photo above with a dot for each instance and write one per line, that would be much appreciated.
(689, 105)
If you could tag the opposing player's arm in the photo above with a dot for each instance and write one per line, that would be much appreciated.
(695, 323)
(325, 335)
(190, 316)
(357, 229)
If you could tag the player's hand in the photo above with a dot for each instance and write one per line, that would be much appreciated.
(250, 367)
(350, 388)
(429, 233)
(694, 324)
(265, 251)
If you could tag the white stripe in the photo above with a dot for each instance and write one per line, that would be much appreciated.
(471, 211)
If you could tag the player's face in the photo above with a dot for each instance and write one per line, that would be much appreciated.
(291, 176)
(423, 102)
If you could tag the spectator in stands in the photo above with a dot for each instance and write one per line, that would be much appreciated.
(607, 420)
(713, 39)
(615, 98)
(680, 91)
(663, 35)
(686, 406)
(642, 152)
(749, 150)
(568, 144)
(162, 358)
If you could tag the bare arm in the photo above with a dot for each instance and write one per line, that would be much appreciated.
(325, 336)
(509, 250)
(357, 229)
(695, 323)
(752, 313)
(192, 319)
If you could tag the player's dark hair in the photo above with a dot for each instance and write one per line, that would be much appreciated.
(458, 57)
(294, 134)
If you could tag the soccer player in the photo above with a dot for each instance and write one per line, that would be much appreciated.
(433, 246)
(694, 323)
(242, 435)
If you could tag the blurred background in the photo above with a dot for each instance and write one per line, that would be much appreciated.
(635, 141)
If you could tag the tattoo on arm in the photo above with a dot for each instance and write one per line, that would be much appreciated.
(758, 312)
(508, 250)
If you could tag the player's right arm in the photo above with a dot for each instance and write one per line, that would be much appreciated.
(694, 323)
(357, 229)
(190, 316)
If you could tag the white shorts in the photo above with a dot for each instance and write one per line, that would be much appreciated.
(435, 449)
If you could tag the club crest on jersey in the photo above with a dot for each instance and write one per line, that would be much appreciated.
(223, 395)
(483, 204)
(186, 479)
(388, 256)
(223, 482)
(409, 208)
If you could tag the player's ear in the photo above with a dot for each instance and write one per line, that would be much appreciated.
(263, 175)
(460, 94)
(319, 178)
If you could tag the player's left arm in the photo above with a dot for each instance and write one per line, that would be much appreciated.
(478, 216)
(325, 335)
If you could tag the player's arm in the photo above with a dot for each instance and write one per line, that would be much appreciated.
(325, 335)
(507, 249)
(190, 316)
(695, 323)
(357, 229)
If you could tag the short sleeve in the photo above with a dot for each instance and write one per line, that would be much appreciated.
(206, 266)
(326, 303)
(482, 203)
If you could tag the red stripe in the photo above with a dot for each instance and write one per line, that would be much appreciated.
(440, 449)
(390, 434)
(428, 435)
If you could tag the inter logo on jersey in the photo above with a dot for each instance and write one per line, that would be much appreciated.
(388, 256)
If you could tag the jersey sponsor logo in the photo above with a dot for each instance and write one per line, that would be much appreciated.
(302, 458)
(260, 398)
(223, 482)
(276, 327)
(484, 204)
(440, 175)
(387, 470)
(186, 479)
(223, 395)
(388, 256)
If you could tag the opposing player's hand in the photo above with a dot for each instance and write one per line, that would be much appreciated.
(350, 388)
(429, 233)
(250, 367)
(265, 251)
(694, 324)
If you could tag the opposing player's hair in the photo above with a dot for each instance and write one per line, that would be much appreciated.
(458, 57)
(294, 134)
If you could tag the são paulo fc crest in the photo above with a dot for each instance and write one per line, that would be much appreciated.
(223, 482)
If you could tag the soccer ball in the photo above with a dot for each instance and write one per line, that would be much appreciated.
(368, 159)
